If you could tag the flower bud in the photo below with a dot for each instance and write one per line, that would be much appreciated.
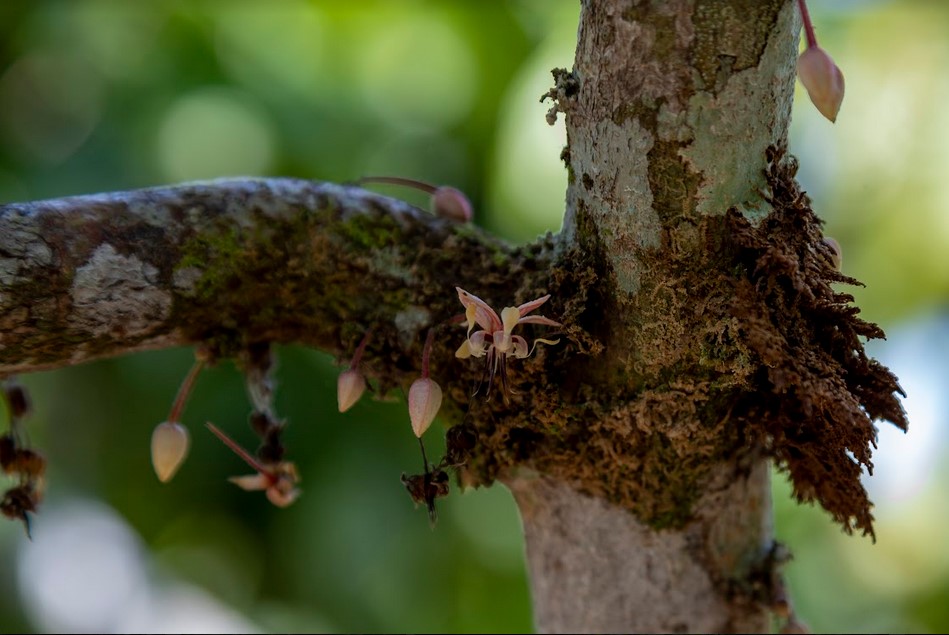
(18, 401)
(349, 388)
(425, 398)
(280, 497)
(450, 203)
(170, 442)
(837, 257)
(822, 79)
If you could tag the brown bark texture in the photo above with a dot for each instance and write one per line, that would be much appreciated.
(702, 336)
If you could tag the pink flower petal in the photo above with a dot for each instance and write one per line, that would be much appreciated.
(538, 319)
(527, 307)
(251, 482)
(484, 315)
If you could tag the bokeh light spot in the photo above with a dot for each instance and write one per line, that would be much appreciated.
(418, 71)
(49, 104)
(214, 132)
(247, 37)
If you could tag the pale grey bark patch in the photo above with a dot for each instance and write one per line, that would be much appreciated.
(21, 249)
(595, 568)
(733, 124)
(616, 191)
(624, 576)
(113, 293)
(410, 322)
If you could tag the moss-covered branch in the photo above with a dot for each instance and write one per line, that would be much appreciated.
(230, 262)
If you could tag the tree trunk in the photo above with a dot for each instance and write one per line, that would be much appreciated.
(669, 112)
(595, 568)
(701, 336)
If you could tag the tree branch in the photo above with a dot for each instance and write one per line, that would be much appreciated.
(724, 342)
(229, 262)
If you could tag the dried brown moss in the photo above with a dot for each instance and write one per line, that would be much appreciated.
(737, 345)
(816, 393)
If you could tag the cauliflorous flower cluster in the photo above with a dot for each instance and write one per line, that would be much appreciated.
(495, 340)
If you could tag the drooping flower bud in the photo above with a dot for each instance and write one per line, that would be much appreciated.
(349, 388)
(822, 79)
(837, 257)
(170, 443)
(425, 398)
(449, 202)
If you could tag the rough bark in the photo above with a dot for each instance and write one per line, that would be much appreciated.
(227, 263)
(701, 332)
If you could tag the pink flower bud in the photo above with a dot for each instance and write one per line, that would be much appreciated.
(282, 497)
(450, 203)
(425, 398)
(170, 442)
(349, 388)
(822, 79)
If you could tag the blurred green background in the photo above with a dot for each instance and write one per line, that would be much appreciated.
(109, 95)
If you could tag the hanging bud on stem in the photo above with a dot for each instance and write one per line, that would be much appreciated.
(425, 395)
(170, 440)
(351, 384)
(447, 202)
(818, 72)
(170, 443)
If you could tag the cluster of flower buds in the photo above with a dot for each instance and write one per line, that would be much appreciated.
(25, 464)
(446, 201)
(278, 480)
(818, 72)
(495, 341)
(276, 477)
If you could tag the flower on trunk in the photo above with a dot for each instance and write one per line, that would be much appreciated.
(495, 340)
